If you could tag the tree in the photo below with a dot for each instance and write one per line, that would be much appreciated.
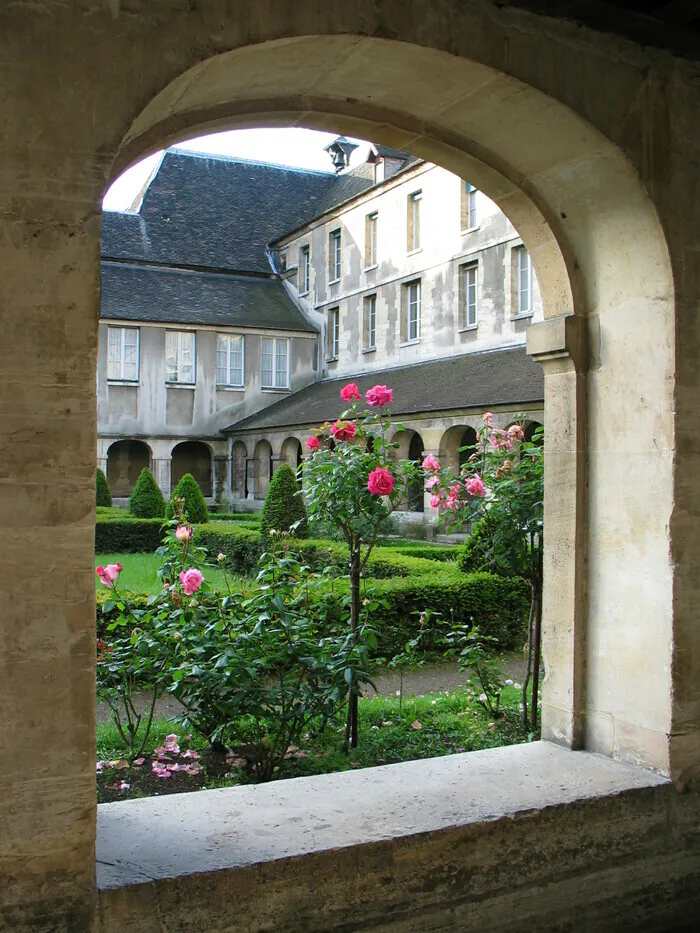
(103, 494)
(147, 500)
(499, 493)
(284, 505)
(352, 483)
(187, 499)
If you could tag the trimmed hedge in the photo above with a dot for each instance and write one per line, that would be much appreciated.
(250, 518)
(103, 494)
(284, 505)
(443, 553)
(147, 500)
(127, 535)
(195, 508)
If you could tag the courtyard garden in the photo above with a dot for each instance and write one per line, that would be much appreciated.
(244, 648)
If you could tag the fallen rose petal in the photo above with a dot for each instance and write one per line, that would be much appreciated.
(138, 762)
(416, 725)
(121, 764)
(99, 765)
(191, 753)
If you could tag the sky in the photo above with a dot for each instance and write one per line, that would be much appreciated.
(292, 146)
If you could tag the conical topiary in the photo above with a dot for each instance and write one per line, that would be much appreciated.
(147, 500)
(193, 504)
(103, 494)
(284, 505)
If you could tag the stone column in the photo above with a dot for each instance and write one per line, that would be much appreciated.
(221, 477)
(162, 472)
(430, 514)
(559, 344)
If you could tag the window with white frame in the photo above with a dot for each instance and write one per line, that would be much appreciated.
(371, 240)
(413, 221)
(469, 202)
(469, 294)
(123, 353)
(333, 333)
(334, 255)
(229, 360)
(304, 269)
(523, 281)
(411, 312)
(275, 363)
(370, 322)
(180, 356)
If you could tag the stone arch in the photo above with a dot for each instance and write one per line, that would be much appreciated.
(574, 198)
(292, 452)
(239, 457)
(192, 457)
(530, 427)
(452, 442)
(262, 468)
(125, 461)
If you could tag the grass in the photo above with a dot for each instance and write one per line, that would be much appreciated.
(425, 727)
(139, 573)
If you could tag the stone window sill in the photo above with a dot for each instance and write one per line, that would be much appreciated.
(180, 838)
(409, 343)
(276, 389)
(134, 383)
(522, 317)
(369, 350)
(225, 388)
(412, 252)
(470, 327)
(181, 385)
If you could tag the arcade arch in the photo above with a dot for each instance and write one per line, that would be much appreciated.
(192, 457)
(125, 461)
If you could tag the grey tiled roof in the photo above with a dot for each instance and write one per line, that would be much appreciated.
(217, 213)
(134, 292)
(472, 380)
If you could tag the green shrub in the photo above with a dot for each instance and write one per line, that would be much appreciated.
(128, 535)
(249, 518)
(147, 500)
(194, 506)
(284, 505)
(103, 494)
(241, 546)
(114, 513)
(477, 551)
(443, 553)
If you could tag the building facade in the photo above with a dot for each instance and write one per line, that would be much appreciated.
(218, 360)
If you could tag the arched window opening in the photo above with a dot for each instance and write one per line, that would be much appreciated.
(192, 457)
(125, 461)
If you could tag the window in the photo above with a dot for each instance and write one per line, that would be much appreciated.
(411, 312)
(468, 294)
(334, 255)
(413, 221)
(304, 269)
(333, 333)
(469, 214)
(179, 356)
(275, 363)
(371, 240)
(369, 308)
(523, 281)
(229, 360)
(123, 353)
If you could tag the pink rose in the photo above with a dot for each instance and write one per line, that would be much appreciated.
(313, 443)
(516, 433)
(108, 574)
(380, 482)
(183, 533)
(430, 464)
(379, 396)
(191, 580)
(475, 486)
(435, 501)
(488, 418)
(343, 430)
(500, 440)
(432, 482)
(349, 392)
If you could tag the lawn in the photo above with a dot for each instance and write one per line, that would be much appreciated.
(139, 573)
(426, 727)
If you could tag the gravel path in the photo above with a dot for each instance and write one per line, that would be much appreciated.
(429, 679)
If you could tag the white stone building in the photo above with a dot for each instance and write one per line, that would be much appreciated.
(241, 297)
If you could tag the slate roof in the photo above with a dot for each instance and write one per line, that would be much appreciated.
(472, 380)
(133, 292)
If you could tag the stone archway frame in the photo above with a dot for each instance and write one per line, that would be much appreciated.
(603, 269)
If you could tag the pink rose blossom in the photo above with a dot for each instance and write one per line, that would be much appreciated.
(432, 482)
(108, 574)
(488, 418)
(183, 533)
(380, 482)
(349, 392)
(191, 580)
(435, 501)
(379, 396)
(312, 443)
(343, 430)
(475, 486)
(500, 440)
(430, 464)
(516, 433)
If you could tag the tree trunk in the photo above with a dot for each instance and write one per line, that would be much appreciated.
(351, 725)
(536, 649)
